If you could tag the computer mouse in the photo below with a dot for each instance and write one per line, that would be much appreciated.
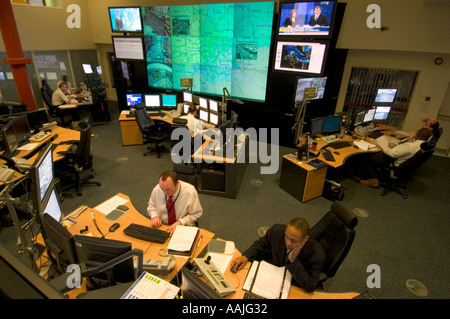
(337, 153)
(114, 227)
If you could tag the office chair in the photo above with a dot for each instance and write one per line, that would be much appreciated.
(53, 110)
(186, 173)
(335, 232)
(151, 132)
(399, 175)
(79, 159)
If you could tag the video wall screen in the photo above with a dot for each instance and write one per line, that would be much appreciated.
(217, 45)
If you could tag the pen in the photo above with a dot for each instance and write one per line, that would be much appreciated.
(199, 241)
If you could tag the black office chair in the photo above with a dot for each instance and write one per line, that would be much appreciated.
(79, 158)
(54, 110)
(186, 173)
(400, 175)
(151, 131)
(335, 232)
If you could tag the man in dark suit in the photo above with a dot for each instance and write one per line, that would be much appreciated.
(318, 19)
(291, 246)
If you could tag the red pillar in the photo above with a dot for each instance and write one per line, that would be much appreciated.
(15, 58)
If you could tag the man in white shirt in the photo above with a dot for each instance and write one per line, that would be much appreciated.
(401, 152)
(59, 96)
(174, 196)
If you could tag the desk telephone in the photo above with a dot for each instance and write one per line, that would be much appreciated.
(158, 267)
(174, 114)
(49, 126)
(361, 130)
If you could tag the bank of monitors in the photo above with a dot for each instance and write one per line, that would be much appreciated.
(133, 98)
(208, 110)
(325, 125)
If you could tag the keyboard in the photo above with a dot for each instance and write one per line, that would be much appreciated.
(146, 233)
(6, 173)
(39, 137)
(328, 156)
(365, 295)
(251, 296)
(340, 144)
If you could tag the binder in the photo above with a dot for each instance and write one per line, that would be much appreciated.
(184, 241)
(268, 281)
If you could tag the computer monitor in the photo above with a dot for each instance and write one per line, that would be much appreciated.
(169, 101)
(125, 19)
(385, 95)
(213, 118)
(133, 98)
(9, 140)
(213, 106)
(152, 100)
(381, 113)
(332, 124)
(359, 117)
(95, 251)
(304, 82)
(203, 115)
(87, 68)
(316, 126)
(52, 206)
(185, 108)
(368, 117)
(22, 128)
(42, 176)
(187, 97)
(203, 102)
(193, 287)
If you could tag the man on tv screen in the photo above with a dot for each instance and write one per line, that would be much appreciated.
(318, 19)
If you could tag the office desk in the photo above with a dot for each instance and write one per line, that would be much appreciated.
(295, 292)
(233, 167)
(131, 134)
(149, 249)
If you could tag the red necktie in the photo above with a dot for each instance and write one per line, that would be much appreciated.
(171, 210)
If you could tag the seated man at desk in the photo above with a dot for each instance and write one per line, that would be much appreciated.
(291, 246)
(174, 202)
(61, 95)
(400, 152)
(195, 125)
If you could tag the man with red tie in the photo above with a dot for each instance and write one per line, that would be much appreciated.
(174, 202)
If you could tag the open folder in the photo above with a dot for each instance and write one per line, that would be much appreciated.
(268, 281)
(183, 241)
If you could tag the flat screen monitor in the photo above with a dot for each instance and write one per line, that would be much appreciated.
(87, 68)
(359, 118)
(187, 97)
(213, 106)
(203, 115)
(203, 102)
(125, 19)
(306, 18)
(193, 287)
(332, 124)
(382, 113)
(128, 48)
(152, 100)
(52, 206)
(94, 251)
(216, 45)
(316, 126)
(169, 100)
(185, 108)
(385, 95)
(303, 83)
(42, 176)
(368, 117)
(213, 119)
(9, 139)
(133, 98)
(300, 57)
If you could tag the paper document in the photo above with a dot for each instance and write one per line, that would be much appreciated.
(111, 204)
(149, 286)
(183, 239)
(221, 261)
(268, 281)
(67, 106)
(364, 145)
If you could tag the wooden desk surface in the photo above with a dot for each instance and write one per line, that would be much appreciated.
(123, 117)
(198, 154)
(295, 292)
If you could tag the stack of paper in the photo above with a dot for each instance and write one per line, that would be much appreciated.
(183, 240)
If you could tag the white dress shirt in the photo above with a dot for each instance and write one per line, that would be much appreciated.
(59, 98)
(401, 152)
(188, 209)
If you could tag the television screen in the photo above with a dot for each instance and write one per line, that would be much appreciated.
(303, 83)
(300, 57)
(382, 113)
(128, 48)
(216, 45)
(306, 18)
(152, 100)
(385, 95)
(133, 99)
(125, 19)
